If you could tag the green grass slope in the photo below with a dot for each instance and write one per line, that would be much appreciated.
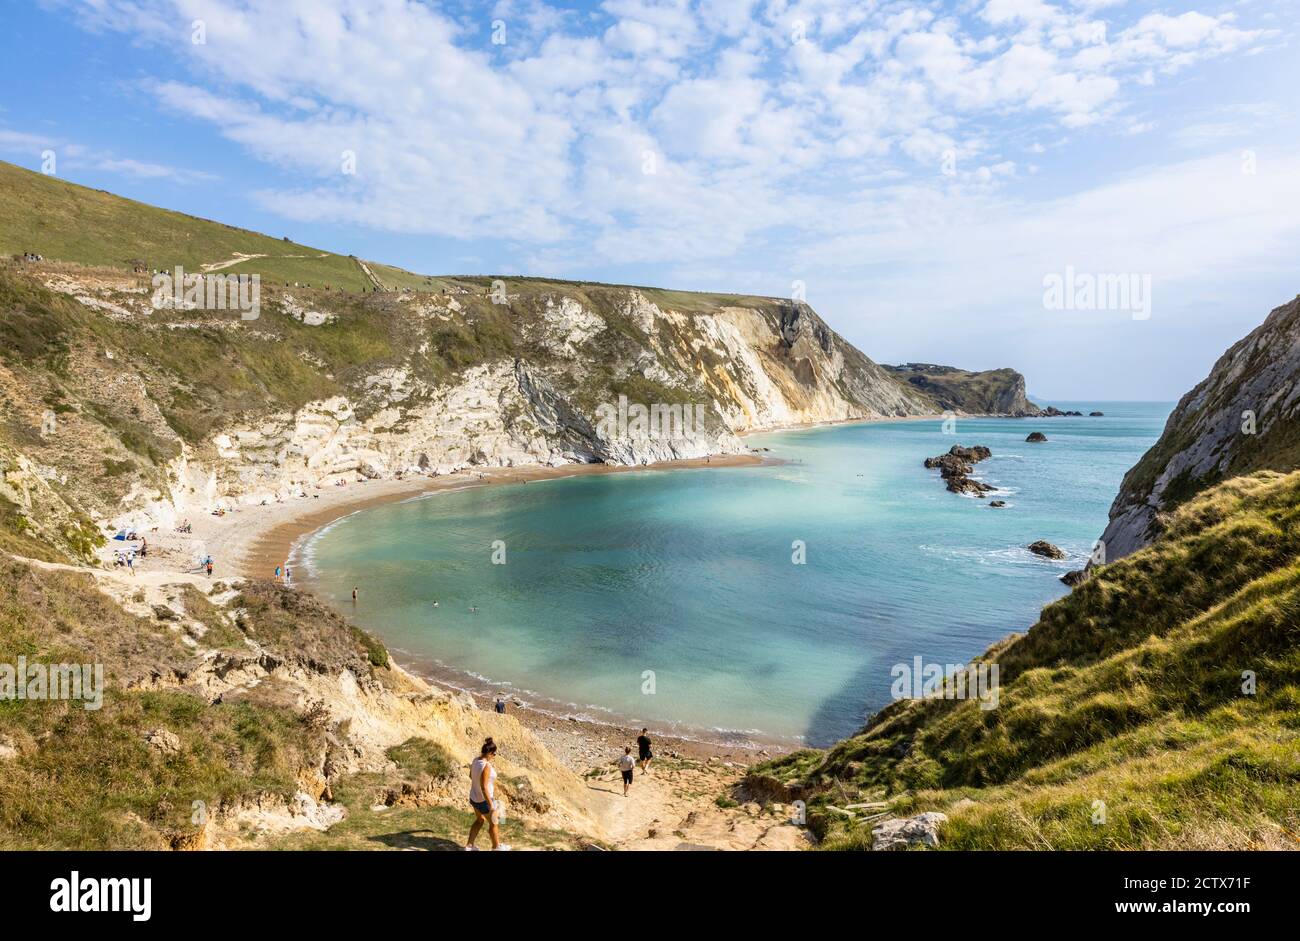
(1128, 692)
(63, 221)
(66, 222)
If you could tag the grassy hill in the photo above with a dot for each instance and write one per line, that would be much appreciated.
(1129, 691)
(989, 392)
(64, 221)
(67, 222)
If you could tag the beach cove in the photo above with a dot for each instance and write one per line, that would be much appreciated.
(679, 601)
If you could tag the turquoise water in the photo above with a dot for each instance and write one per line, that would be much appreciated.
(689, 573)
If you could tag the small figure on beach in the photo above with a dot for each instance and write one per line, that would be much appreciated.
(644, 754)
(482, 797)
(278, 573)
(354, 596)
(500, 705)
(473, 609)
(626, 764)
(209, 566)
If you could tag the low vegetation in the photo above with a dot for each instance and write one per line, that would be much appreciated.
(1157, 706)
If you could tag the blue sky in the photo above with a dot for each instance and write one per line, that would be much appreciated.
(917, 170)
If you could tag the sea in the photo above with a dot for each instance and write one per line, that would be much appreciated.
(769, 603)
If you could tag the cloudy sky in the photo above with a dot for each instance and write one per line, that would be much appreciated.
(917, 169)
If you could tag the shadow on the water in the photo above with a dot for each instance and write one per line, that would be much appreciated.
(846, 711)
(416, 840)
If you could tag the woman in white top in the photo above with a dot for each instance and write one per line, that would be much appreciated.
(482, 796)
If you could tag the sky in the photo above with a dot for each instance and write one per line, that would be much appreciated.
(922, 173)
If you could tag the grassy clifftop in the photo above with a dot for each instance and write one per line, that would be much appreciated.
(67, 222)
(61, 220)
(988, 392)
(1128, 692)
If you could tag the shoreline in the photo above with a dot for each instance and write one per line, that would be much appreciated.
(272, 545)
(254, 540)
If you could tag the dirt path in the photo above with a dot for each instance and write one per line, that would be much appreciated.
(675, 807)
(219, 265)
(379, 286)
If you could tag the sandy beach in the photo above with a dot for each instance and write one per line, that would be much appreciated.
(251, 541)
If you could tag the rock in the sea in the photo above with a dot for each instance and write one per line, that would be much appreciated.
(1096, 414)
(956, 464)
(962, 484)
(1036, 436)
(948, 465)
(1045, 549)
(973, 454)
(997, 504)
(1075, 577)
(901, 834)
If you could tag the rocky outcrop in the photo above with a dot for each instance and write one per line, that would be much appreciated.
(1036, 436)
(547, 373)
(1045, 549)
(955, 467)
(1243, 417)
(991, 392)
(906, 833)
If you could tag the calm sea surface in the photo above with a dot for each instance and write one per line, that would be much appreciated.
(688, 574)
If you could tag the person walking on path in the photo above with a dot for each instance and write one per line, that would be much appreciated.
(626, 764)
(644, 754)
(482, 797)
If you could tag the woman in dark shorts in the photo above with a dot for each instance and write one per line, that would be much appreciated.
(627, 766)
(482, 796)
(644, 755)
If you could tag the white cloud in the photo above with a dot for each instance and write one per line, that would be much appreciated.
(70, 155)
(758, 141)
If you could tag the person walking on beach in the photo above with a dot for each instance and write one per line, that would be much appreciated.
(501, 705)
(209, 566)
(626, 764)
(277, 573)
(482, 796)
(354, 596)
(644, 754)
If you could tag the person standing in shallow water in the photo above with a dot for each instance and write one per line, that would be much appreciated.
(482, 796)
(644, 754)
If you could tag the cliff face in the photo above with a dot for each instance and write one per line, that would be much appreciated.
(990, 392)
(1240, 419)
(144, 414)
